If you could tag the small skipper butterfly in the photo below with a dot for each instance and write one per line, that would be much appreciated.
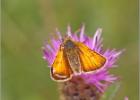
(74, 58)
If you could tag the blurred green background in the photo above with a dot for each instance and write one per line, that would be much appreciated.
(26, 24)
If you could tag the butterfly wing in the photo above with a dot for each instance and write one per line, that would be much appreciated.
(90, 60)
(60, 69)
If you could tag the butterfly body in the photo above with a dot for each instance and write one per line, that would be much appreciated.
(75, 58)
(71, 53)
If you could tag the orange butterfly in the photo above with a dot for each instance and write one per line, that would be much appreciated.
(74, 58)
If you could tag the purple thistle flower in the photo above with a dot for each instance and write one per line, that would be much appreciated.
(126, 98)
(101, 78)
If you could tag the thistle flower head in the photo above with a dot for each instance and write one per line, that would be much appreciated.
(101, 78)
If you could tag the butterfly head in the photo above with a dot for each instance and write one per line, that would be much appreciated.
(68, 43)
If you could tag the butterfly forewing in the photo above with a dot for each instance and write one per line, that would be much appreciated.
(89, 59)
(61, 69)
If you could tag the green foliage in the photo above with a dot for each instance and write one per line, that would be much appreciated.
(111, 92)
